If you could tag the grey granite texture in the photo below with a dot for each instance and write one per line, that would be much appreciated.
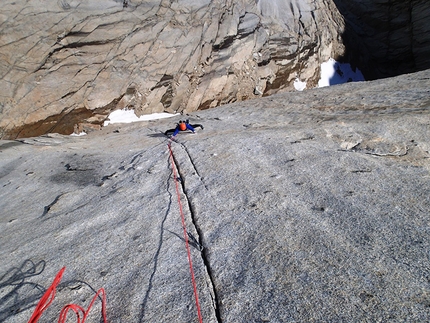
(310, 206)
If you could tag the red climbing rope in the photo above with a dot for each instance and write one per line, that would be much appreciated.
(80, 310)
(47, 298)
(49, 295)
(193, 280)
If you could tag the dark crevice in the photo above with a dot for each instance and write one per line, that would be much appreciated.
(205, 258)
(68, 95)
(191, 160)
(226, 42)
(164, 81)
(264, 62)
(47, 208)
(203, 251)
(77, 34)
(76, 169)
(71, 45)
(361, 171)
(167, 98)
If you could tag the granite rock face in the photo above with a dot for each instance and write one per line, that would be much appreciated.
(66, 65)
(309, 206)
(387, 37)
(73, 62)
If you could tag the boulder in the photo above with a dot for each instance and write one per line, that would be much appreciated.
(309, 206)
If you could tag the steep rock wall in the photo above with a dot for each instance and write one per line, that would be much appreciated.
(387, 37)
(75, 61)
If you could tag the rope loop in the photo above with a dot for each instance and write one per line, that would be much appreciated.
(48, 298)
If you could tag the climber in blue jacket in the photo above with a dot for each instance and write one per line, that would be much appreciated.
(183, 126)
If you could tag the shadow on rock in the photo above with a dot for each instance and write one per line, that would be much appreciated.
(385, 38)
(19, 294)
(157, 135)
(9, 144)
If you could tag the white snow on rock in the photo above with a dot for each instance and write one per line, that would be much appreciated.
(83, 133)
(299, 85)
(333, 72)
(128, 116)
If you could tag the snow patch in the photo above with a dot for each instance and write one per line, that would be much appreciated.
(333, 72)
(83, 133)
(128, 116)
(299, 85)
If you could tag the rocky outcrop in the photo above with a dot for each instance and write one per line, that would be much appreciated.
(72, 62)
(387, 37)
(310, 206)
(75, 61)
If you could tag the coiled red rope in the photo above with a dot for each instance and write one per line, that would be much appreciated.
(80, 310)
(49, 295)
(47, 298)
(193, 280)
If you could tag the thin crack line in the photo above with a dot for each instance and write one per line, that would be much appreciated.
(194, 165)
(203, 252)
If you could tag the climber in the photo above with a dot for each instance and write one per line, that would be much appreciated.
(182, 126)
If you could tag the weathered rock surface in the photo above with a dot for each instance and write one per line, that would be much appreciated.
(75, 61)
(311, 206)
(67, 65)
(387, 37)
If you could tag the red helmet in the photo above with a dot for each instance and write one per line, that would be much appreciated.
(182, 125)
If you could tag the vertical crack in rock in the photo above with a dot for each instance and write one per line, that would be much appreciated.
(191, 160)
(157, 253)
(213, 290)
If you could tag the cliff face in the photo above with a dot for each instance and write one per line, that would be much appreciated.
(78, 60)
(387, 37)
(72, 62)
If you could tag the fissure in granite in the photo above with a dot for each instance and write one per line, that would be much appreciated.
(203, 250)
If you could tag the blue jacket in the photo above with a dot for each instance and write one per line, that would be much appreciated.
(189, 127)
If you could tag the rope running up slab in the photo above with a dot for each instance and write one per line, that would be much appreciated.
(187, 244)
(49, 295)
